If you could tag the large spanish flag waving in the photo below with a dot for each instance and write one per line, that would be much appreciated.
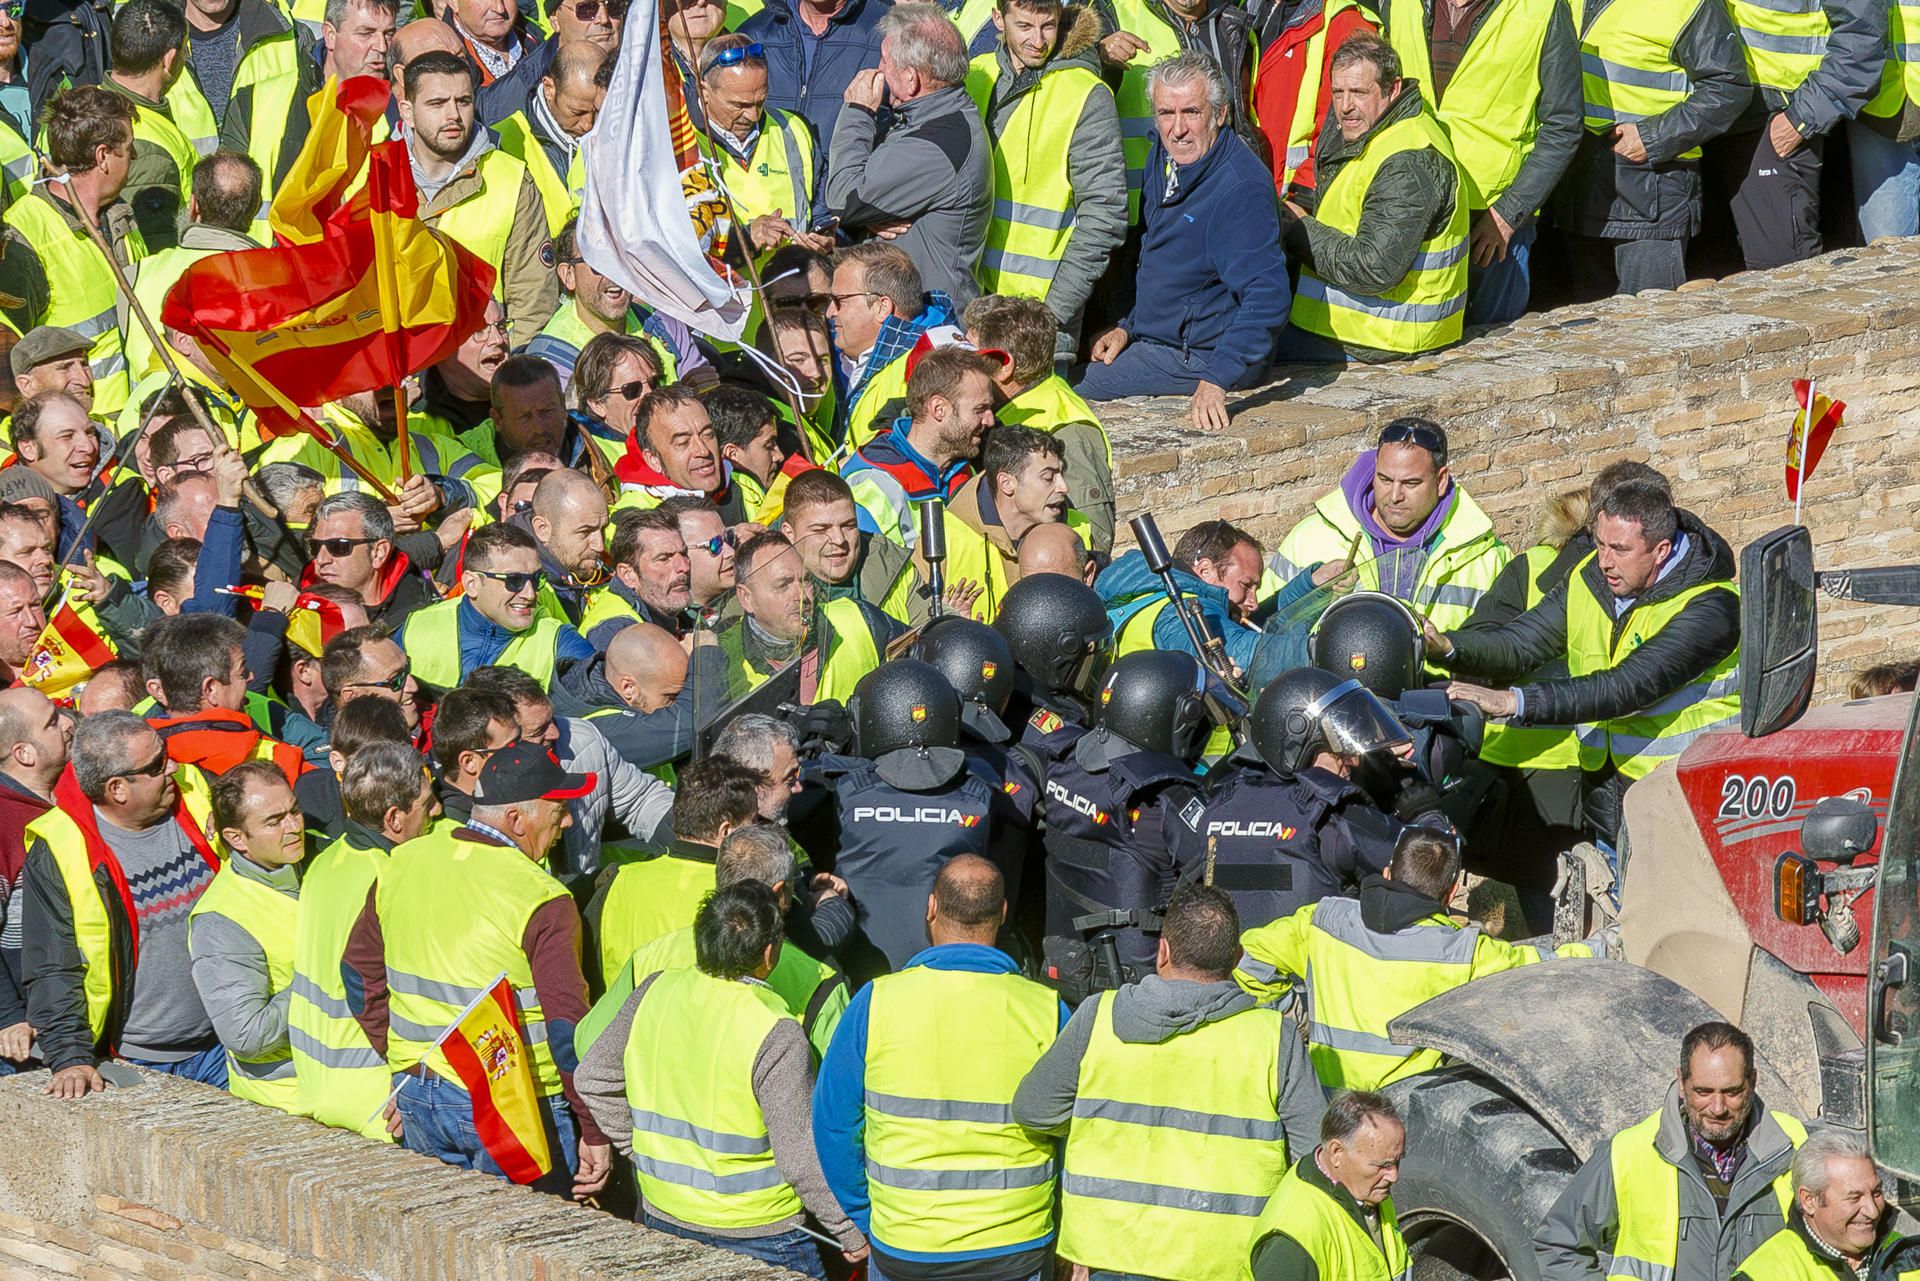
(488, 1051)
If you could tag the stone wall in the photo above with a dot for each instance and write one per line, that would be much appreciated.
(170, 1181)
(1697, 383)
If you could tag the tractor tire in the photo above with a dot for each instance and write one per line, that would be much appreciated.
(1480, 1173)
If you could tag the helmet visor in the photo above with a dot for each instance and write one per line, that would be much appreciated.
(1356, 722)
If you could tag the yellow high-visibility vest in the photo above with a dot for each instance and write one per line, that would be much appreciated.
(267, 916)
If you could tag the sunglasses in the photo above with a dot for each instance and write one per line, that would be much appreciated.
(713, 545)
(336, 547)
(13, 10)
(515, 583)
(588, 10)
(735, 56)
(633, 390)
(153, 769)
(1425, 437)
(394, 683)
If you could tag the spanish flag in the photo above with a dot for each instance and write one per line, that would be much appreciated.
(342, 118)
(1825, 415)
(489, 1053)
(68, 652)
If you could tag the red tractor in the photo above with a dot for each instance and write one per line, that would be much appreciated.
(1747, 870)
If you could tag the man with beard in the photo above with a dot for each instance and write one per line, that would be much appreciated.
(710, 553)
(930, 452)
(569, 518)
(651, 579)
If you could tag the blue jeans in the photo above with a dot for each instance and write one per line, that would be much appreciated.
(1148, 368)
(1886, 183)
(793, 1249)
(438, 1119)
(209, 1067)
(1497, 294)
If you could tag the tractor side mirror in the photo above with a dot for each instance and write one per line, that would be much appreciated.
(1839, 829)
(1778, 630)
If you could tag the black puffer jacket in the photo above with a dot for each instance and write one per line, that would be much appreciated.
(1704, 632)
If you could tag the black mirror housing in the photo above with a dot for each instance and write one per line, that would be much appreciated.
(1839, 829)
(1778, 630)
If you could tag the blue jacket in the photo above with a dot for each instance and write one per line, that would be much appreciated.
(1128, 587)
(839, 1094)
(851, 44)
(481, 641)
(513, 91)
(1212, 277)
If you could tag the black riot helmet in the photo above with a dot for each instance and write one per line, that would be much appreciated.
(1059, 633)
(1306, 711)
(903, 704)
(1372, 638)
(974, 658)
(1156, 699)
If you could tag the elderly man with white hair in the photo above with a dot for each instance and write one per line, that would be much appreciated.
(1839, 1226)
(1211, 292)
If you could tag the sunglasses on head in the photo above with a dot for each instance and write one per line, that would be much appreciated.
(736, 55)
(516, 583)
(335, 547)
(713, 545)
(1419, 433)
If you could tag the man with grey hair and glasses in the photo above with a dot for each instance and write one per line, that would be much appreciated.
(1839, 1225)
(1210, 293)
(926, 178)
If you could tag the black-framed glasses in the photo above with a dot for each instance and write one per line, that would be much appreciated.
(515, 583)
(736, 55)
(588, 10)
(713, 545)
(858, 293)
(336, 547)
(152, 769)
(633, 390)
(1403, 431)
(395, 683)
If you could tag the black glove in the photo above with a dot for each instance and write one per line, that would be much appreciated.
(822, 727)
(1417, 797)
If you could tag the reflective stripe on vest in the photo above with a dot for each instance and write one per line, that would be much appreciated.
(1490, 109)
(1900, 75)
(343, 1079)
(700, 1144)
(947, 1166)
(1033, 196)
(1784, 40)
(81, 294)
(1305, 124)
(444, 950)
(1175, 1146)
(17, 163)
(432, 642)
(483, 222)
(1628, 71)
(1136, 110)
(778, 177)
(1338, 1246)
(267, 916)
(1425, 310)
(1646, 1190)
(1638, 743)
(1526, 746)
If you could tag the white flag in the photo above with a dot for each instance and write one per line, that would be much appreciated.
(634, 224)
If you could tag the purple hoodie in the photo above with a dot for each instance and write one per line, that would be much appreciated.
(1399, 559)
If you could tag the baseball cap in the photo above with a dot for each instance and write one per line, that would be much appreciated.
(44, 343)
(938, 336)
(528, 772)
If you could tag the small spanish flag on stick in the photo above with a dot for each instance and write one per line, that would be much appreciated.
(1808, 443)
(68, 652)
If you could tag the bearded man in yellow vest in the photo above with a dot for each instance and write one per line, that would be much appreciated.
(1505, 85)
(52, 272)
(496, 619)
(1059, 174)
(913, 1112)
(1839, 1222)
(772, 164)
(1649, 626)
(1385, 168)
(1332, 1215)
(420, 954)
(705, 1080)
(1689, 1192)
(837, 641)
(240, 932)
(149, 55)
(1179, 1100)
(474, 191)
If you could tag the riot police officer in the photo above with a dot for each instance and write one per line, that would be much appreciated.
(1112, 797)
(1286, 825)
(906, 803)
(1062, 642)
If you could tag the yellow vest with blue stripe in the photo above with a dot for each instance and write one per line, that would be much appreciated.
(1490, 110)
(444, 950)
(1175, 1147)
(1628, 71)
(483, 222)
(1339, 1247)
(81, 293)
(1426, 309)
(1900, 75)
(1033, 196)
(779, 175)
(432, 642)
(948, 1168)
(343, 1079)
(560, 196)
(1646, 1192)
(268, 918)
(1636, 744)
(701, 1151)
(1528, 746)
(18, 164)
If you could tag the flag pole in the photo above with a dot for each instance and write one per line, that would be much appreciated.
(446, 1032)
(383, 271)
(1806, 439)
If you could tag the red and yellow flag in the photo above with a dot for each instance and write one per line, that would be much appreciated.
(489, 1053)
(68, 652)
(322, 175)
(1825, 414)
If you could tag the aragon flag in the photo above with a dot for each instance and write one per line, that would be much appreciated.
(487, 1050)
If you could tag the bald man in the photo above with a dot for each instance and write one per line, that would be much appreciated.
(546, 135)
(1054, 549)
(569, 518)
(417, 37)
(646, 693)
(37, 738)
